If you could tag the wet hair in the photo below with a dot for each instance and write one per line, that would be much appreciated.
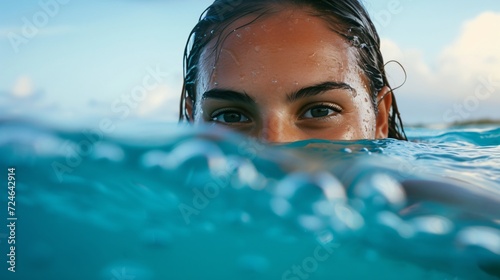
(348, 18)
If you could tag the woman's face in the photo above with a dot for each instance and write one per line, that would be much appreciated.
(285, 78)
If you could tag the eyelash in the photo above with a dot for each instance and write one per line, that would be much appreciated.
(220, 112)
(336, 108)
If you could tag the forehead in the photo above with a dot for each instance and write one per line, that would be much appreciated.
(280, 44)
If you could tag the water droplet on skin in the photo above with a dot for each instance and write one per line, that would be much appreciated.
(238, 35)
(232, 55)
(216, 83)
(265, 28)
(355, 41)
(255, 75)
(274, 81)
(296, 83)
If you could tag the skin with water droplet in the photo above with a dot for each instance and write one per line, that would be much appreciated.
(308, 55)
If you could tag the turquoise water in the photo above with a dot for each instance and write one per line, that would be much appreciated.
(168, 202)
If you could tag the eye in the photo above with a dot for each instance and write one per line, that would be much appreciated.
(321, 111)
(230, 117)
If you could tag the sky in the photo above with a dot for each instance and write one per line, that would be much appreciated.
(65, 61)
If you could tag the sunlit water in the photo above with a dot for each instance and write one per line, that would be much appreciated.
(158, 202)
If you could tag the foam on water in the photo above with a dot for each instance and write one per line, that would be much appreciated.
(203, 203)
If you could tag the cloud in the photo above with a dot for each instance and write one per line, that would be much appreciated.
(462, 83)
(23, 87)
(161, 102)
(477, 50)
(25, 101)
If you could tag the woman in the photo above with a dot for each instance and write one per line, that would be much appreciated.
(289, 70)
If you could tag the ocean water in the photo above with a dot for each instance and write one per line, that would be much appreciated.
(169, 202)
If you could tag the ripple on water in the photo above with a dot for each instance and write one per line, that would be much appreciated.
(245, 199)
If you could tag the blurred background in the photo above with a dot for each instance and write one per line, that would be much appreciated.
(68, 62)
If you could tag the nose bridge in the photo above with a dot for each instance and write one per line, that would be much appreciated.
(276, 128)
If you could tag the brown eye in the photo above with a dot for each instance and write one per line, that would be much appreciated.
(229, 117)
(321, 111)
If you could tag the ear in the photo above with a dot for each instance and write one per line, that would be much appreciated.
(384, 103)
(189, 108)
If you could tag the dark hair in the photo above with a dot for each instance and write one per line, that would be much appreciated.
(348, 18)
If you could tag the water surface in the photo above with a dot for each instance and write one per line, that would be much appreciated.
(168, 202)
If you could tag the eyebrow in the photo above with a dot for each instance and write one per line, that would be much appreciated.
(318, 89)
(228, 95)
(242, 97)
